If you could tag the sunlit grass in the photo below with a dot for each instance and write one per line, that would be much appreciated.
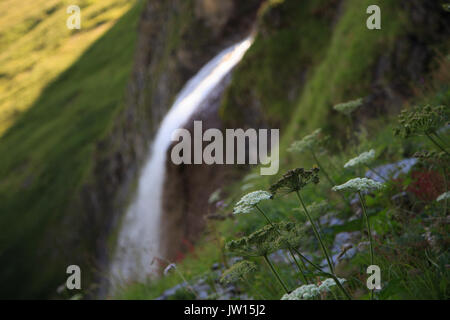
(36, 46)
(48, 153)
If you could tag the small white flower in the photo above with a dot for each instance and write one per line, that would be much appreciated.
(215, 196)
(348, 107)
(169, 267)
(308, 142)
(308, 291)
(444, 196)
(326, 285)
(304, 292)
(359, 184)
(250, 200)
(363, 158)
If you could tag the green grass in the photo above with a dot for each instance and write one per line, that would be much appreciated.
(261, 80)
(48, 154)
(347, 69)
(36, 46)
(411, 268)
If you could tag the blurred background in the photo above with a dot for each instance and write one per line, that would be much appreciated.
(83, 182)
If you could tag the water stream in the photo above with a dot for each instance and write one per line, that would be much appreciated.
(139, 238)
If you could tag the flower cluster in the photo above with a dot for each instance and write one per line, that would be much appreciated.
(425, 120)
(250, 200)
(238, 271)
(444, 196)
(290, 235)
(304, 292)
(359, 184)
(307, 143)
(348, 107)
(317, 209)
(362, 159)
(326, 285)
(266, 240)
(309, 291)
(295, 180)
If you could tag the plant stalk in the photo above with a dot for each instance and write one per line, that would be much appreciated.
(338, 283)
(436, 143)
(446, 189)
(319, 238)
(290, 250)
(379, 175)
(361, 199)
(276, 274)
(440, 139)
(329, 179)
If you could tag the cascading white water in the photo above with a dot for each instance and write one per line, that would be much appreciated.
(138, 242)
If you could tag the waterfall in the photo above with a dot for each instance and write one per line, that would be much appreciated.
(138, 239)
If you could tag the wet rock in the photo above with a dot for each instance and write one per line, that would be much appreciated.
(216, 266)
(391, 170)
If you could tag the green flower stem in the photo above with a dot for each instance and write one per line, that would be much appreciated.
(304, 279)
(338, 283)
(324, 250)
(330, 180)
(379, 175)
(361, 198)
(436, 143)
(276, 274)
(440, 139)
(303, 276)
(322, 169)
(178, 272)
(446, 189)
(265, 216)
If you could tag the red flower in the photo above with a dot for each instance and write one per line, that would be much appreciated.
(426, 185)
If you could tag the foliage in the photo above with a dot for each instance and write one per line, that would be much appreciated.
(348, 108)
(238, 271)
(421, 120)
(295, 180)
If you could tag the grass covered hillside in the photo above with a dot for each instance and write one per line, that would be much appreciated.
(315, 65)
(36, 46)
(364, 150)
(48, 152)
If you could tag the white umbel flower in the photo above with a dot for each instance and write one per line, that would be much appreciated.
(326, 285)
(304, 292)
(348, 107)
(308, 142)
(363, 158)
(250, 200)
(359, 184)
(309, 291)
(444, 196)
